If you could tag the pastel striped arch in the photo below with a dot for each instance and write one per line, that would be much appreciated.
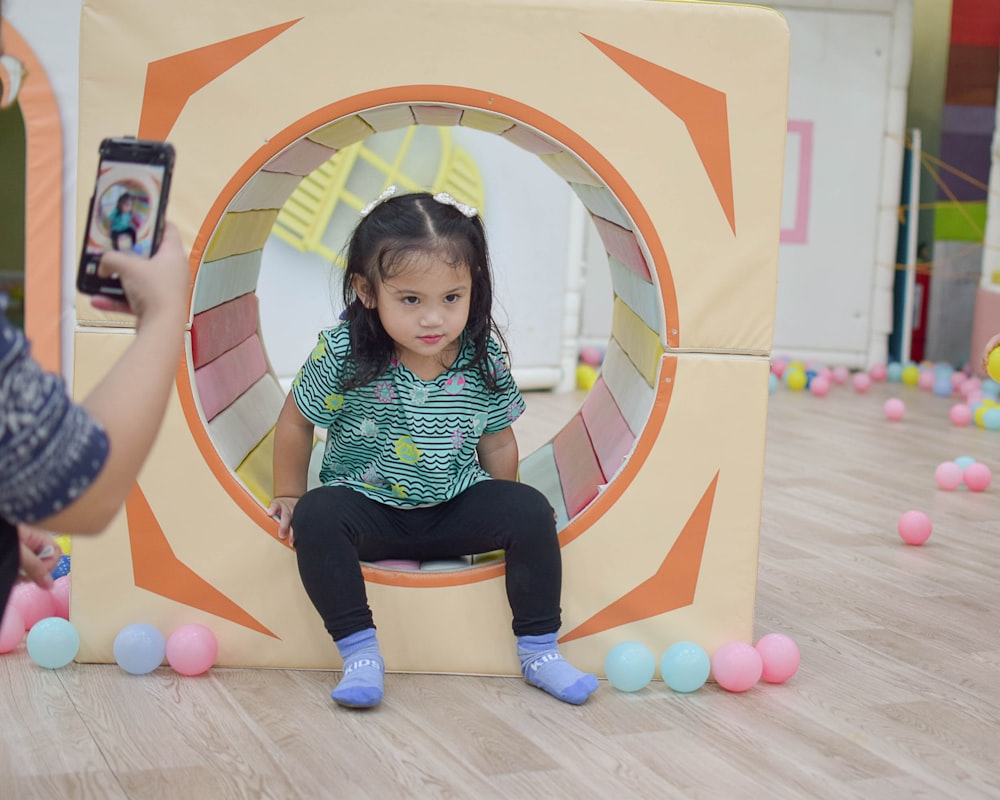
(240, 399)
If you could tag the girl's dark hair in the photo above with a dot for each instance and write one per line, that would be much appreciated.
(382, 243)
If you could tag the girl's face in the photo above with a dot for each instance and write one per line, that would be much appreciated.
(424, 308)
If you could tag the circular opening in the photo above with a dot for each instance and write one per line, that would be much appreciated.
(236, 386)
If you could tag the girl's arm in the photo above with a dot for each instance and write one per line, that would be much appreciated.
(498, 454)
(293, 440)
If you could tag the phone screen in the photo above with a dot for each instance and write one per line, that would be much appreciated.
(125, 210)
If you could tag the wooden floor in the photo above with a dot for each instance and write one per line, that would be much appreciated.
(898, 694)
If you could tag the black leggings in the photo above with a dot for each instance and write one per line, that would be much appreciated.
(336, 528)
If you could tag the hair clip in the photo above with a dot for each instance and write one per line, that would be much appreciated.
(388, 192)
(448, 200)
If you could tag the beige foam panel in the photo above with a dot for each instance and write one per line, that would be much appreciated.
(724, 283)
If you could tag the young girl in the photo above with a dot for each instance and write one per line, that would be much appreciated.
(420, 461)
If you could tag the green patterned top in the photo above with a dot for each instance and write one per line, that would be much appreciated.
(401, 440)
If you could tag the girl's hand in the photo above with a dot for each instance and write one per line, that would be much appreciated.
(280, 510)
(39, 555)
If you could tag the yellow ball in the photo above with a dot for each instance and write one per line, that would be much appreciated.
(795, 380)
(993, 364)
(911, 375)
(979, 415)
(792, 365)
(586, 377)
(64, 544)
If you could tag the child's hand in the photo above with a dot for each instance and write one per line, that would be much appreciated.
(280, 510)
(39, 555)
(988, 348)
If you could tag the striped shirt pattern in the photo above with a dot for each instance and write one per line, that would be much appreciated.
(401, 440)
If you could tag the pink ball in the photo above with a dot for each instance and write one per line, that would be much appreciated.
(948, 475)
(737, 666)
(877, 372)
(977, 477)
(841, 374)
(968, 386)
(957, 379)
(778, 367)
(11, 629)
(191, 649)
(894, 408)
(60, 594)
(591, 356)
(862, 382)
(819, 386)
(33, 602)
(960, 414)
(914, 527)
(927, 379)
(780, 657)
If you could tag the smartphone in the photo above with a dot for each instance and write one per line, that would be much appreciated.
(127, 209)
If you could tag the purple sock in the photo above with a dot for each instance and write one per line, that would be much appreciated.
(361, 684)
(543, 666)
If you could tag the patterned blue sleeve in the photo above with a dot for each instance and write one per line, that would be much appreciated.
(507, 404)
(51, 449)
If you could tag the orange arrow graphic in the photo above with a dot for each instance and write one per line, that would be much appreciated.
(171, 81)
(701, 108)
(671, 587)
(155, 567)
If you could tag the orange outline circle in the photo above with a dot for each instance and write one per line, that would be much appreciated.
(519, 112)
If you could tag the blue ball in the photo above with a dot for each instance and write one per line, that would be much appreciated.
(53, 642)
(685, 667)
(630, 666)
(773, 383)
(942, 386)
(62, 568)
(894, 372)
(991, 419)
(990, 389)
(139, 648)
(965, 461)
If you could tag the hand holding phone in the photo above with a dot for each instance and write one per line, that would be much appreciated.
(127, 209)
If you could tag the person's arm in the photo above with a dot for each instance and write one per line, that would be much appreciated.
(39, 555)
(498, 454)
(293, 440)
(131, 399)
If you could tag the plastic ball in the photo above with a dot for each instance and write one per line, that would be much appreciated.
(991, 388)
(192, 649)
(964, 461)
(926, 380)
(948, 475)
(65, 544)
(991, 418)
(894, 372)
(795, 379)
(894, 409)
(819, 386)
(586, 377)
(779, 656)
(942, 387)
(979, 413)
(910, 374)
(993, 364)
(914, 527)
(11, 629)
(53, 642)
(592, 356)
(61, 568)
(629, 666)
(862, 382)
(778, 368)
(840, 374)
(737, 666)
(60, 595)
(772, 383)
(33, 602)
(877, 372)
(685, 666)
(960, 415)
(977, 477)
(139, 648)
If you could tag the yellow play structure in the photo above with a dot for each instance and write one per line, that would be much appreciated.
(667, 119)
